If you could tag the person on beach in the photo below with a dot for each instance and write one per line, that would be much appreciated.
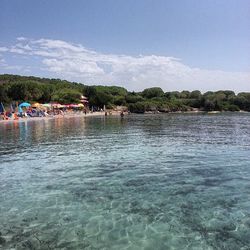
(15, 116)
(5, 116)
(1, 116)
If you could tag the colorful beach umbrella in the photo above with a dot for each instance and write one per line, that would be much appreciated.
(24, 104)
(46, 105)
(73, 105)
(57, 105)
(20, 110)
(36, 105)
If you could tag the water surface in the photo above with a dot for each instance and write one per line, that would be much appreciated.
(141, 182)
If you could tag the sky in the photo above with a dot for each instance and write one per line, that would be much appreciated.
(173, 44)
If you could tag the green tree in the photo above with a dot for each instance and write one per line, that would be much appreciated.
(100, 99)
(184, 94)
(138, 107)
(66, 96)
(209, 105)
(133, 98)
(152, 92)
(4, 98)
(196, 94)
(47, 92)
(119, 100)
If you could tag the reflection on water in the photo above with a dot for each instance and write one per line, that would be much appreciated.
(141, 182)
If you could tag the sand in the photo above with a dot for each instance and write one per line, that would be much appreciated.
(65, 116)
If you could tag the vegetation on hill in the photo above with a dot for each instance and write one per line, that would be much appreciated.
(44, 90)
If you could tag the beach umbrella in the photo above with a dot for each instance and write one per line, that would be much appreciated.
(80, 105)
(61, 106)
(46, 105)
(84, 99)
(2, 110)
(56, 105)
(36, 105)
(73, 105)
(20, 110)
(24, 104)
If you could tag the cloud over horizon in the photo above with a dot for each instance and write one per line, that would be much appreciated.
(76, 63)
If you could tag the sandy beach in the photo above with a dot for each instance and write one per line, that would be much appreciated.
(65, 116)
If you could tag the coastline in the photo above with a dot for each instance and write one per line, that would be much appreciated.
(114, 113)
(65, 116)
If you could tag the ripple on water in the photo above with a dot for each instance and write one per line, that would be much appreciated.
(143, 182)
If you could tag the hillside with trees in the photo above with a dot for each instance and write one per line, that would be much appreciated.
(34, 89)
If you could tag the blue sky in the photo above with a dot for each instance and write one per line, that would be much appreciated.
(178, 44)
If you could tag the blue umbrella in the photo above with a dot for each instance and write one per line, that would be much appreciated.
(24, 104)
(1, 108)
(20, 110)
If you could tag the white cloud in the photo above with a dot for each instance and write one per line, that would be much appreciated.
(72, 66)
(2, 61)
(21, 38)
(17, 50)
(23, 46)
(75, 62)
(3, 49)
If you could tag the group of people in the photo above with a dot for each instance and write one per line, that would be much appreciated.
(33, 112)
(9, 116)
(27, 113)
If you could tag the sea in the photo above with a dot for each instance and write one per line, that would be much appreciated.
(154, 181)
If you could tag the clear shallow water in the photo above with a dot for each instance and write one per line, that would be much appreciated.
(142, 182)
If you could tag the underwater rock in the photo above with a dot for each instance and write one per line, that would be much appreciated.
(67, 219)
(2, 240)
(184, 191)
(247, 223)
(65, 245)
(30, 219)
(49, 187)
(242, 235)
(28, 245)
(220, 226)
(212, 182)
(227, 203)
(135, 183)
(81, 233)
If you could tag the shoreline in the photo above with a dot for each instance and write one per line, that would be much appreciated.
(65, 116)
(114, 113)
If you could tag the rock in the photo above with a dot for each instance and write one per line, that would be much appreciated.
(220, 226)
(2, 240)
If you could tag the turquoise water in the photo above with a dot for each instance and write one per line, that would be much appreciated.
(142, 182)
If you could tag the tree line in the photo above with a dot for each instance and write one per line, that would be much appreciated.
(44, 90)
